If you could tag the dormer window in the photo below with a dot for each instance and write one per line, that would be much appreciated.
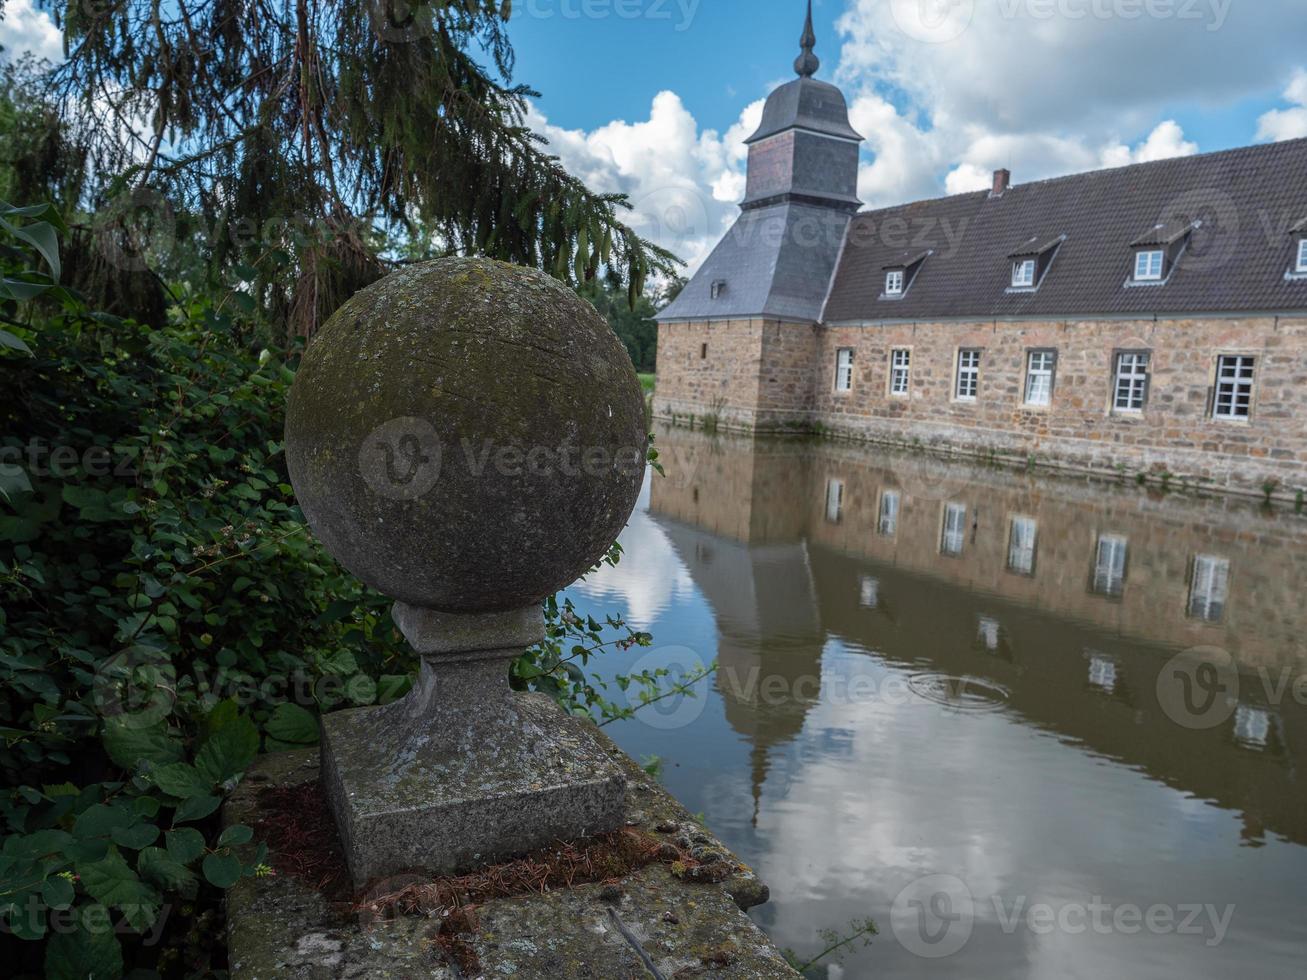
(1031, 261)
(902, 273)
(1158, 251)
(716, 290)
(1149, 264)
(1301, 268)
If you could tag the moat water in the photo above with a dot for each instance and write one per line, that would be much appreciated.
(1033, 727)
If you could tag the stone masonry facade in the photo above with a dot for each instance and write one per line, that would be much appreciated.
(761, 375)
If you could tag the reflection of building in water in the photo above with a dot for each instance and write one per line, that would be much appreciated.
(769, 638)
(1071, 595)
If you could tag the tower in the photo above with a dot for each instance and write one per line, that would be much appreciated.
(737, 343)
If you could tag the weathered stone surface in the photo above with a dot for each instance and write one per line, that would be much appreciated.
(280, 927)
(466, 435)
(427, 783)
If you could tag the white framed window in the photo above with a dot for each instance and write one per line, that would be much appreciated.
(1210, 588)
(834, 500)
(1110, 564)
(900, 372)
(844, 369)
(1040, 365)
(954, 536)
(1022, 540)
(968, 381)
(1149, 264)
(894, 283)
(716, 290)
(868, 592)
(1102, 672)
(887, 520)
(1252, 726)
(1234, 387)
(1130, 387)
(1302, 256)
(1023, 274)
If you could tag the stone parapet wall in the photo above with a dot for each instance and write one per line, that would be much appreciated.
(775, 376)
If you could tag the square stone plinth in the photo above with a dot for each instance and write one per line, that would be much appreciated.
(302, 924)
(464, 792)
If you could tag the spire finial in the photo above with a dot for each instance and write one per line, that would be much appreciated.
(806, 64)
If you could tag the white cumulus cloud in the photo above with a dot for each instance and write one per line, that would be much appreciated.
(24, 28)
(683, 181)
(1287, 124)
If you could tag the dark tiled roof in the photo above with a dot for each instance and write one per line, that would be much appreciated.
(1248, 201)
(1164, 234)
(805, 103)
(774, 262)
(1035, 246)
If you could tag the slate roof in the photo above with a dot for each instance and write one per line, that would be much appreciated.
(775, 262)
(805, 103)
(1248, 201)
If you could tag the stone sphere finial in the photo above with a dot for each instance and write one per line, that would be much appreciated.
(466, 436)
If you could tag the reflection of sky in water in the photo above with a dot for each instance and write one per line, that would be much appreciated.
(840, 802)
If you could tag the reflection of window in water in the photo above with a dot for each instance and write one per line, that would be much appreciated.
(834, 500)
(869, 592)
(1021, 545)
(989, 632)
(1109, 565)
(1252, 726)
(1210, 588)
(888, 522)
(1102, 672)
(955, 529)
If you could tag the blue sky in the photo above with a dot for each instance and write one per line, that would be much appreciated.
(652, 98)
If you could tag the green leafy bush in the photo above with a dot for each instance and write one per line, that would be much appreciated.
(166, 616)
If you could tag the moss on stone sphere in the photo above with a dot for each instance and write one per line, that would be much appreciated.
(466, 435)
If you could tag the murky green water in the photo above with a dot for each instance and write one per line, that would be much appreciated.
(1034, 727)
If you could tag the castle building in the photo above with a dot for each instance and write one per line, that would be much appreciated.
(1150, 319)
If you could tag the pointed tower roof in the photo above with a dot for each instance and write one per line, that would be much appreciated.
(806, 103)
(806, 65)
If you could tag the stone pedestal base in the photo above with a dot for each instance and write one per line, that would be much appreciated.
(463, 772)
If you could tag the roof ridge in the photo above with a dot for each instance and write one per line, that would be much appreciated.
(1100, 171)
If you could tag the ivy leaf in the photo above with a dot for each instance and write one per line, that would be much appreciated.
(127, 744)
(13, 343)
(184, 844)
(228, 751)
(103, 819)
(112, 882)
(182, 780)
(222, 869)
(291, 723)
(134, 838)
(58, 892)
(41, 235)
(13, 480)
(160, 868)
(196, 808)
(89, 949)
(234, 835)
